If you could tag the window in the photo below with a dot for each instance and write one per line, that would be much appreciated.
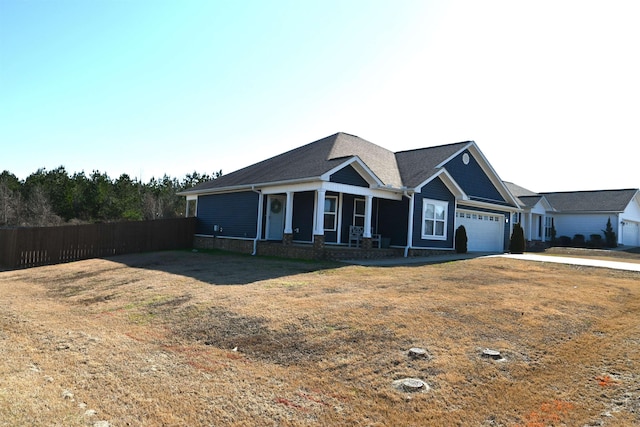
(548, 224)
(330, 213)
(434, 219)
(358, 212)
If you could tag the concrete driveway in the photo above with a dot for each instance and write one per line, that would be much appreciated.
(435, 259)
(617, 265)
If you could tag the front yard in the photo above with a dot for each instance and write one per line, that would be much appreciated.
(182, 338)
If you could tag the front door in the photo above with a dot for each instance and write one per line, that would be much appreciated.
(275, 217)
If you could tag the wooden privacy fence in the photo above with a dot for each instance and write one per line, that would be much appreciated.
(30, 247)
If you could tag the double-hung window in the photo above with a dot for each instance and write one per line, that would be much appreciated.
(330, 213)
(434, 219)
(358, 212)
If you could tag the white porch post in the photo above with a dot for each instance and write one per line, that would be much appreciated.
(410, 225)
(368, 204)
(260, 213)
(319, 230)
(543, 232)
(529, 226)
(288, 221)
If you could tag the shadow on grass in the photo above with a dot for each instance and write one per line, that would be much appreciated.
(220, 267)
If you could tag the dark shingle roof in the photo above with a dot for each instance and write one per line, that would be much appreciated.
(406, 168)
(526, 198)
(591, 201)
(418, 165)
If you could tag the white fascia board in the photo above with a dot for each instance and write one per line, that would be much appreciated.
(485, 205)
(448, 180)
(335, 187)
(359, 166)
(247, 187)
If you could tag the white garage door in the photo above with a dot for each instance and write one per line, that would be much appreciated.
(630, 234)
(484, 231)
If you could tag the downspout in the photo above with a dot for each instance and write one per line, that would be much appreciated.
(259, 223)
(410, 224)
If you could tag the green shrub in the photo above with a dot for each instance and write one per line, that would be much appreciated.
(564, 241)
(595, 241)
(579, 241)
(461, 240)
(517, 244)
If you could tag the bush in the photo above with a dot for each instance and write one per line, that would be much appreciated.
(564, 241)
(517, 244)
(579, 241)
(461, 240)
(595, 241)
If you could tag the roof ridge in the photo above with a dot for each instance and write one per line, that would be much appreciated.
(588, 191)
(434, 146)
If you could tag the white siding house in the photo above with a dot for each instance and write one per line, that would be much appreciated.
(580, 212)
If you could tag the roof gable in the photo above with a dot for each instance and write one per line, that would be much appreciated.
(417, 166)
(311, 161)
(379, 167)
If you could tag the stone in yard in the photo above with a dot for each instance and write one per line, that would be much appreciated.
(491, 354)
(417, 352)
(410, 385)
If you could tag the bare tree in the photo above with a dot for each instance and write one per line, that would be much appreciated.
(9, 205)
(40, 211)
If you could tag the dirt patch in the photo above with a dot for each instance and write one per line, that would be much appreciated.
(180, 338)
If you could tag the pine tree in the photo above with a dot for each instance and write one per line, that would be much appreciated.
(610, 235)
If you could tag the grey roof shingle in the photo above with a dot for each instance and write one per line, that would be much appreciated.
(526, 198)
(591, 201)
(418, 165)
(406, 168)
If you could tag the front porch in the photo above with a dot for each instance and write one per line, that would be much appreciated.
(317, 250)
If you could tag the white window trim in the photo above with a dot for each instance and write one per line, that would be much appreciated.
(335, 214)
(363, 215)
(443, 204)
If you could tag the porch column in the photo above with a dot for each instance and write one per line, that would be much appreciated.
(529, 226)
(543, 224)
(319, 223)
(287, 237)
(368, 204)
(288, 221)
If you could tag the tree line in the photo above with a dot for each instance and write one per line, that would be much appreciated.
(55, 197)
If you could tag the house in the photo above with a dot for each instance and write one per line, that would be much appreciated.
(579, 212)
(312, 195)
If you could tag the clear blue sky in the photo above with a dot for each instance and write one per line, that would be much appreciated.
(550, 90)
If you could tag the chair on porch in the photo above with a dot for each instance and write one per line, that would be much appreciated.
(355, 234)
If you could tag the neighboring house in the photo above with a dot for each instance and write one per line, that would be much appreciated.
(580, 212)
(536, 215)
(414, 199)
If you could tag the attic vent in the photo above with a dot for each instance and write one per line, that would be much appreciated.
(465, 158)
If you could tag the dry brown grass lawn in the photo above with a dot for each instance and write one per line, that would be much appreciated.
(148, 340)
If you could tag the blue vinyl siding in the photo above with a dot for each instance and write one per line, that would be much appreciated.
(392, 220)
(348, 175)
(472, 179)
(303, 215)
(435, 190)
(236, 213)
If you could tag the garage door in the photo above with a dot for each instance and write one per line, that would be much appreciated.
(484, 231)
(630, 234)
